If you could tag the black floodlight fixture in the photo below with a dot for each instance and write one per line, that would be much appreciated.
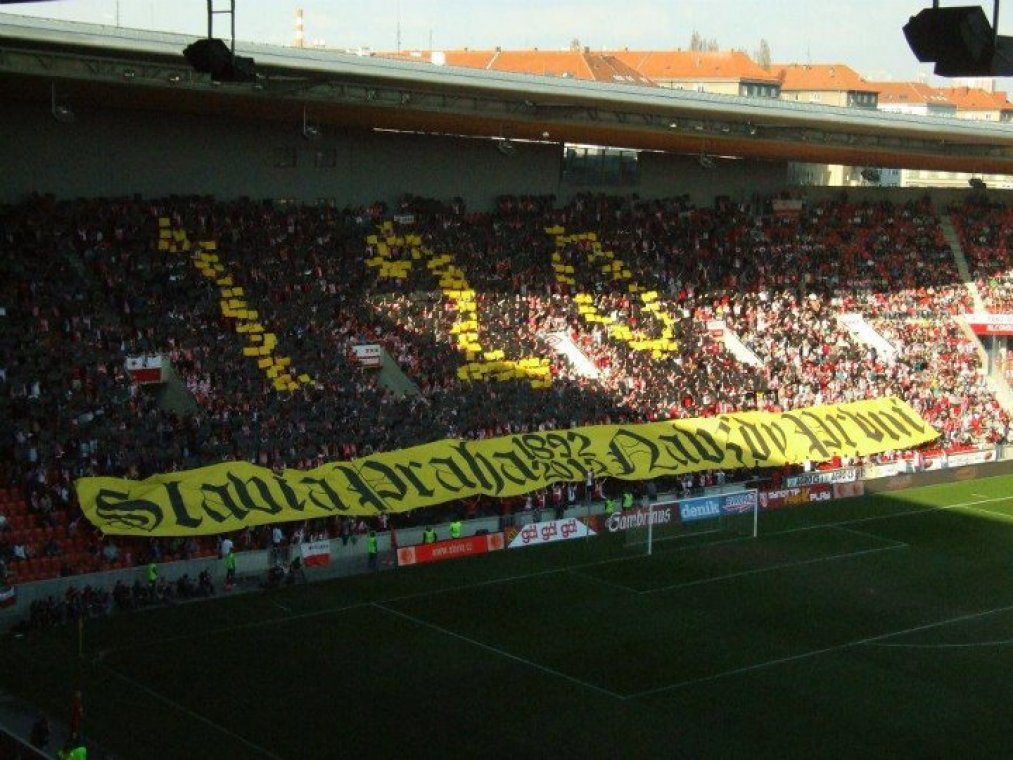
(960, 41)
(212, 56)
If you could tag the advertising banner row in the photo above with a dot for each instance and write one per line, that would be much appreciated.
(917, 462)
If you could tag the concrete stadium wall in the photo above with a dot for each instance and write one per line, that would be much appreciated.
(664, 175)
(119, 152)
(116, 153)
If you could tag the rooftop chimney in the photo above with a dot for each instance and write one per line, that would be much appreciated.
(299, 41)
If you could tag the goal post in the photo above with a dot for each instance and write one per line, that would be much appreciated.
(729, 514)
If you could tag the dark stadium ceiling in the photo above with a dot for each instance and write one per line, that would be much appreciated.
(103, 67)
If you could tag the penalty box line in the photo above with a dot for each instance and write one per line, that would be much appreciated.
(866, 534)
(865, 641)
(771, 569)
(991, 513)
(496, 650)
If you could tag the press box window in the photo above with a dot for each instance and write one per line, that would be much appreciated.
(594, 166)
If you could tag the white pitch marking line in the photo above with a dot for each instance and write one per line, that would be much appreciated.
(687, 535)
(892, 515)
(968, 645)
(604, 581)
(990, 513)
(496, 650)
(864, 534)
(817, 652)
(196, 716)
(772, 568)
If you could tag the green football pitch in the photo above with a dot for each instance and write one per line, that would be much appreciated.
(872, 627)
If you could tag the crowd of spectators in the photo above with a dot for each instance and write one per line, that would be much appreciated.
(76, 604)
(93, 601)
(88, 286)
(984, 230)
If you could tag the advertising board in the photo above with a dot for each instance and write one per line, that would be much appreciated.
(829, 477)
(793, 497)
(661, 514)
(534, 534)
(708, 507)
(452, 549)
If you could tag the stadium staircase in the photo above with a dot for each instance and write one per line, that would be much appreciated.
(174, 396)
(733, 343)
(868, 335)
(994, 377)
(393, 378)
(952, 239)
(580, 362)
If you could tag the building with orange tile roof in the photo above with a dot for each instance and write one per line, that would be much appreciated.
(723, 73)
(726, 72)
(977, 104)
(914, 98)
(830, 84)
(577, 64)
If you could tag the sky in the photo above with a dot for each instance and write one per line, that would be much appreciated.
(865, 34)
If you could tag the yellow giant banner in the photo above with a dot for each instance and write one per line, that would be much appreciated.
(233, 495)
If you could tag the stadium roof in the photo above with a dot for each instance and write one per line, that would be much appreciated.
(107, 67)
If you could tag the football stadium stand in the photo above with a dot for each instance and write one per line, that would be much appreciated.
(634, 287)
